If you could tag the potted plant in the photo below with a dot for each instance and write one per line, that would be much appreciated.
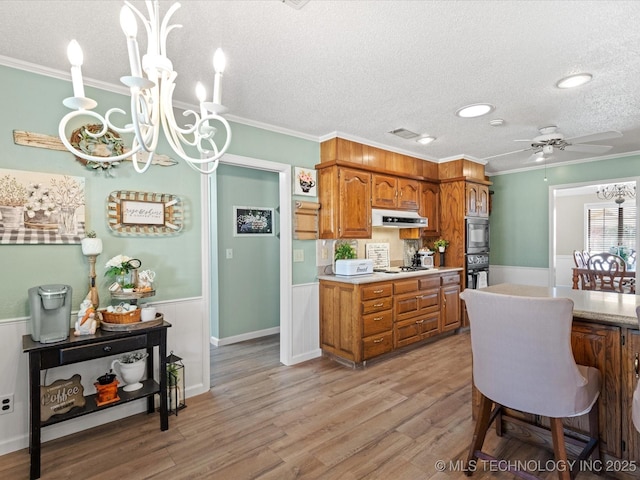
(131, 368)
(344, 251)
(441, 244)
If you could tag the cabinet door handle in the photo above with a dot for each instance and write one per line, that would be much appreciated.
(380, 340)
(636, 365)
(377, 319)
(378, 304)
(107, 348)
(420, 322)
(419, 296)
(378, 291)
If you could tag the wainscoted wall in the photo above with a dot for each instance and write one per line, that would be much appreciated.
(186, 338)
(520, 275)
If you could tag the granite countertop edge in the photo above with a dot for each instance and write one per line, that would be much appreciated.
(385, 277)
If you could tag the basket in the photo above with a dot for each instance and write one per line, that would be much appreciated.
(126, 317)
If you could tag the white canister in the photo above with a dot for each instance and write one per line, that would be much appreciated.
(148, 313)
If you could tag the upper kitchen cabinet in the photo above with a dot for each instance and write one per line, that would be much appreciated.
(345, 197)
(395, 192)
(430, 207)
(477, 200)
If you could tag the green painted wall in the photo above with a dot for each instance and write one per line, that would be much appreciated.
(34, 103)
(520, 207)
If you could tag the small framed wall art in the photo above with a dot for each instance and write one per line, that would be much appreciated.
(304, 181)
(144, 213)
(252, 221)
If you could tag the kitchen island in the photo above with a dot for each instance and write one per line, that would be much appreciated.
(365, 316)
(605, 335)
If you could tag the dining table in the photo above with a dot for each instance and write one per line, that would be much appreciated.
(579, 273)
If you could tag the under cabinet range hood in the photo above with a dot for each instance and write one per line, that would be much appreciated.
(397, 219)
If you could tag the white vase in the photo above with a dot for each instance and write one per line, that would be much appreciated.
(130, 373)
(91, 246)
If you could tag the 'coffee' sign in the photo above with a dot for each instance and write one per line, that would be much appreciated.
(60, 397)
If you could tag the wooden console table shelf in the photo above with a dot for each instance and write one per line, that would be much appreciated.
(43, 356)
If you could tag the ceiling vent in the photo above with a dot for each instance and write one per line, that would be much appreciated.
(297, 4)
(404, 133)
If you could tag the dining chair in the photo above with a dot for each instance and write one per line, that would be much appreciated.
(522, 360)
(606, 272)
(580, 262)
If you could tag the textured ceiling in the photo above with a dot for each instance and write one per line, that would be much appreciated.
(363, 68)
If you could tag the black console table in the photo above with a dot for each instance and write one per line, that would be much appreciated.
(43, 356)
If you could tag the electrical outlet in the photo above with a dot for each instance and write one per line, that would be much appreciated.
(229, 253)
(6, 404)
(298, 255)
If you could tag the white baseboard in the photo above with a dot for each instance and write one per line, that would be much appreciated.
(218, 342)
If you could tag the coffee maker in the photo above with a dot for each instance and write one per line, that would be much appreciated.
(50, 312)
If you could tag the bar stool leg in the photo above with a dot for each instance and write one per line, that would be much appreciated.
(480, 432)
(559, 449)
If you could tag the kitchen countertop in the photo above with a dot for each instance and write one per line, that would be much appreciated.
(385, 277)
(601, 307)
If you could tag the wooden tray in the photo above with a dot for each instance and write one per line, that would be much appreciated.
(130, 327)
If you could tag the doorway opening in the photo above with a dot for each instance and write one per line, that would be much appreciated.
(210, 246)
(569, 223)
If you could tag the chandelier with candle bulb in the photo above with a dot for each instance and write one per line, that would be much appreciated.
(151, 85)
(617, 191)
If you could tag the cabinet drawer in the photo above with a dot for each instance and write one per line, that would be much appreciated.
(377, 291)
(377, 345)
(377, 305)
(102, 349)
(427, 283)
(413, 304)
(405, 286)
(377, 322)
(450, 279)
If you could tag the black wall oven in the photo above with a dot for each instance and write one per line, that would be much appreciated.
(477, 235)
(477, 269)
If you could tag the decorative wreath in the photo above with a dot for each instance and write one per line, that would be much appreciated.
(108, 145)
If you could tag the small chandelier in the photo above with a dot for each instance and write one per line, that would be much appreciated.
(151, 100)
(616, 191)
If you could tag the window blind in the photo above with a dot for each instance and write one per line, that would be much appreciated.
(611, 227)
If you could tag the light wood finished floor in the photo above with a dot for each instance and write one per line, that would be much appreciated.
(318, 420)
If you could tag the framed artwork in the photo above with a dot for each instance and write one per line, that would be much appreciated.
(144, 213)
(304, 181)
(41, 208)
(252, 221)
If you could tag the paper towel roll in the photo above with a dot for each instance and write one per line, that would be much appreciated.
(482, 280)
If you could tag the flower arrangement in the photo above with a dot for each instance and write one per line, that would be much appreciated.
(119, 265)
(39, 200)
(12, 193)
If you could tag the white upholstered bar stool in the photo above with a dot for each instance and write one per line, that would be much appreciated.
(522, 359)
(635, 406)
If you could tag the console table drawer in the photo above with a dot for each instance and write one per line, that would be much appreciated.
(102, 349)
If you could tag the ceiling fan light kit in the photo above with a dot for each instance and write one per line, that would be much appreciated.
(573, 81)
(475, 110)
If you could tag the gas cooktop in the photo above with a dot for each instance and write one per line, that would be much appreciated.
(402, 268)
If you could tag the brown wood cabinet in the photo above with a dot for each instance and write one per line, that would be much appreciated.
(345, 195)
(417, 309)
(477, 200)
(360, 322)
(631, 371)
(393, 192)
(450, 310)
(430, 207)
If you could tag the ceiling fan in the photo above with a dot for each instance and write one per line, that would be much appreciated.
(550, 140)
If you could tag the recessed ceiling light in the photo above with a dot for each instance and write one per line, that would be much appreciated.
(475, 110)
(425, 139)
(574, 80)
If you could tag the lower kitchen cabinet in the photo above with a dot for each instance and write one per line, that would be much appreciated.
(362, 321)
(631, 372)
(450, 312)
